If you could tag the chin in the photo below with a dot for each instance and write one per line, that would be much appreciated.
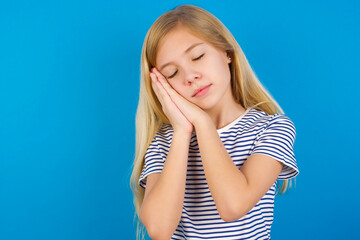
(206, 106)
(206, 103)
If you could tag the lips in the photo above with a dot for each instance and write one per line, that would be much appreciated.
(200, 89)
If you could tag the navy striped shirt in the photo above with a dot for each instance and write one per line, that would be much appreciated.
(253, 132)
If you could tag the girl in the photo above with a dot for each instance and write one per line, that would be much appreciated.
(211, 142)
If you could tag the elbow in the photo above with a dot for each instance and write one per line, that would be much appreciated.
(232, 214)
(153, 230)
(229, 217)
(158, 234)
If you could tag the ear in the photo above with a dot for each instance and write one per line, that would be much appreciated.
(228, 57)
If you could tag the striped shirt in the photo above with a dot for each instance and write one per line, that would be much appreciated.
(253, 132)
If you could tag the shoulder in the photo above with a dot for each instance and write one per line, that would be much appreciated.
(258, 118)
(273, 126)
(165, 132)
(163, 136)
(160, 143)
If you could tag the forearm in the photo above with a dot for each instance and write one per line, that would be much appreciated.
(226, 182)
(162, 208)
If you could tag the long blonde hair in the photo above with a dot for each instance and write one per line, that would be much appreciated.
(246, 88)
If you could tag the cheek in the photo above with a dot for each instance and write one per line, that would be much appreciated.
(178, 88)
(222, 68)
(174, 85)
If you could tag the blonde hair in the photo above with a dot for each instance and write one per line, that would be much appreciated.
(246, 88)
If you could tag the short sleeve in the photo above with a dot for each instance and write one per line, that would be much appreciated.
(277, 141)
(154, 162)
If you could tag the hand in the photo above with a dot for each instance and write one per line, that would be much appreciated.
(190, 111)
(177, 119)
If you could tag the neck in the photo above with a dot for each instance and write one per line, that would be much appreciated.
(225, 112)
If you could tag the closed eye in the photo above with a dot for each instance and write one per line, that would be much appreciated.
(199, 57)
(173, 75)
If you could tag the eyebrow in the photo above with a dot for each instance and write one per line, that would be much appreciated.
(186, 51)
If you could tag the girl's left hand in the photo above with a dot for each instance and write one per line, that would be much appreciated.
(193, 113)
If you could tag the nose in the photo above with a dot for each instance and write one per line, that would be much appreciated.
(192, 76)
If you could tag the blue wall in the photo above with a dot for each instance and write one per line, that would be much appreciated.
(69, 82)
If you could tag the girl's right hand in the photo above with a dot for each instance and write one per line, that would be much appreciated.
(177, 119)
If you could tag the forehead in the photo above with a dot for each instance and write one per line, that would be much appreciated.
(174, 43)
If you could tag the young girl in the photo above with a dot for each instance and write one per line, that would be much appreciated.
(211, 142)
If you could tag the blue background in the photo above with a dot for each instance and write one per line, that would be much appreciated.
(69, 83)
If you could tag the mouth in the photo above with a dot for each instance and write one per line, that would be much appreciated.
(201, 91)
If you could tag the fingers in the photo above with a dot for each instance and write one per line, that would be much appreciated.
(164, 89)
(159, 90)
(163, 82)
(168, 95)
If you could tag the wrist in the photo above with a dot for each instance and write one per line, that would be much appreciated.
(182, 134)
(202, 121)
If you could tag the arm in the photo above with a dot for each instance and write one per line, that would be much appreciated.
(164, 197)
(235, 191)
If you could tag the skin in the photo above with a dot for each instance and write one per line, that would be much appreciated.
(235, 191)
(192, 73)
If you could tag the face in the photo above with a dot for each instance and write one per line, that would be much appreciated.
(194, 68)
